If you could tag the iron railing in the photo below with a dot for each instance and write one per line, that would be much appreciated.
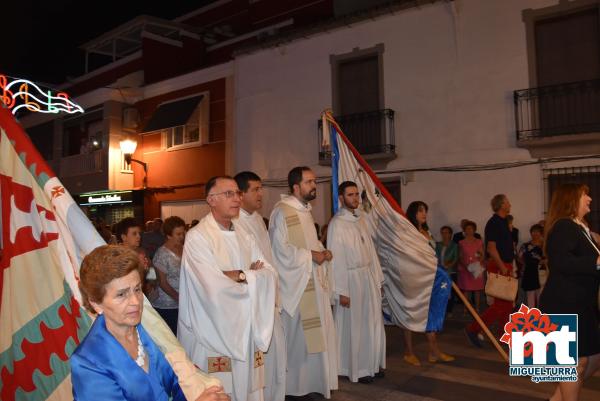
(371, 133)
(564, 109)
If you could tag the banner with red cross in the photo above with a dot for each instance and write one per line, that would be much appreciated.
(41, 320)
(44, 236)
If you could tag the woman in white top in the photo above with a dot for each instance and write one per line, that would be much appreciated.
(167, 261)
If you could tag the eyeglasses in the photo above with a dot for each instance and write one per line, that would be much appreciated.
(228, 194)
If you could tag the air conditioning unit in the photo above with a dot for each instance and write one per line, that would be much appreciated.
(131, 118)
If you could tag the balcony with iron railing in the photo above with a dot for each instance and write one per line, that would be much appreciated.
(76, 165)
(93, 162)
(83, 172)
(371, 133)
(558, 119)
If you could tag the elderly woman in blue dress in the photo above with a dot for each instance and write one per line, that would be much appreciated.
(118, 360)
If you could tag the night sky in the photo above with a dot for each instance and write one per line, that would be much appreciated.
(40, 39)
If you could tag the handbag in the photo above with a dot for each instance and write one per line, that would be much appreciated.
(501, 287)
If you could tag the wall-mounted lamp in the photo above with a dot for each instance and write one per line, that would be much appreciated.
(128, 148)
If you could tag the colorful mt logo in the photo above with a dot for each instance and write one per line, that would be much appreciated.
(542, 346)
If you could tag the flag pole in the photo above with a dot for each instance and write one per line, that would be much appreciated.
(477, 318)
(327, 116)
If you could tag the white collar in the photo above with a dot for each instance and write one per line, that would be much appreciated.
(244, 213)
(292, 201)
(349, 215)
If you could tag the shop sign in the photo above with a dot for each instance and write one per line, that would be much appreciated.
(105, 198)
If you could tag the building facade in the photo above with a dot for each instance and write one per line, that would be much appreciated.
(167, 86)
(451, 102)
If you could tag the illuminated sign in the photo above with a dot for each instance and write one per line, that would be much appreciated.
(105, 198)
(23, 94)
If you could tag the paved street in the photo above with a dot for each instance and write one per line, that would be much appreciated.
(477, 374)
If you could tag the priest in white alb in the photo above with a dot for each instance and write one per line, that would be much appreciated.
(305, 282)
(358, 281)
(226, 296)
(253, 223)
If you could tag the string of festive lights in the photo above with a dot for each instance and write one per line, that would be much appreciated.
(17, 94)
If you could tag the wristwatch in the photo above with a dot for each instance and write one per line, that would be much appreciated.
(241, 277)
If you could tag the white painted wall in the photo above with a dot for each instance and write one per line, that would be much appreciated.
(449, 73)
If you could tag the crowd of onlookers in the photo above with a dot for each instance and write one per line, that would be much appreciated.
(151, 234)
(462, 254)
(159, 247)
(571, 252)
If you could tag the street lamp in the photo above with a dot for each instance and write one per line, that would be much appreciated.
(128, 148)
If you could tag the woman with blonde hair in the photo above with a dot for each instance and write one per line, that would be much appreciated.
(572, 286)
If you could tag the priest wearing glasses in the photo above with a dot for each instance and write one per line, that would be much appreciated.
(226, 296)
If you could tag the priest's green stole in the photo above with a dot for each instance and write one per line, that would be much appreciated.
(309, 309)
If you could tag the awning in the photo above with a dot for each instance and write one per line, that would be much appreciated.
(172, 114)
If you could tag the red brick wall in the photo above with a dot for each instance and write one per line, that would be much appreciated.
(182, 167)
(104, 78)
(164, 60)
(157, 58)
